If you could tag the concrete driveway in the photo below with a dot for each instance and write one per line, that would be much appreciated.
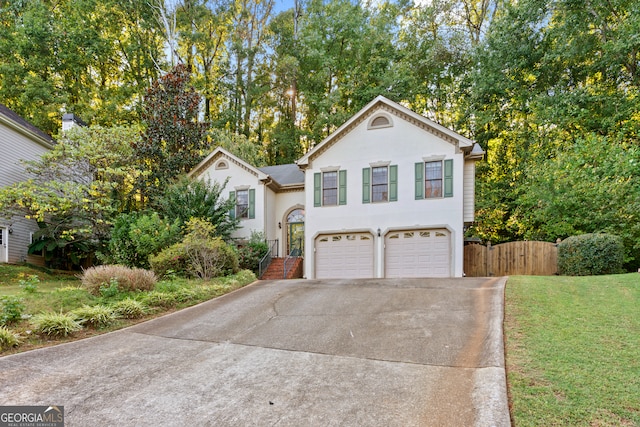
(381, 352)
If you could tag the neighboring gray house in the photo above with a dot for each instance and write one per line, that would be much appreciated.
(19, 140)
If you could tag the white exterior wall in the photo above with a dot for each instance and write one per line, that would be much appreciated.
(404, 145)
(14, 147)
(240, 178)
(271, 208)
(284, 203)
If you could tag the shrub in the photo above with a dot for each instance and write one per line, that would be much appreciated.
(130, 308)
(8, 338)
(590, 255)
(110, 291)
(135, 237)
(195, 198)
(127, 279)
(170, 261)
(96, 315)
(249, 256)
(12, 309)
(121, 249)
(55, 324)
(199, 254)
(30, 283)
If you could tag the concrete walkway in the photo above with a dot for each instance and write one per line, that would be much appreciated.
(381, 352)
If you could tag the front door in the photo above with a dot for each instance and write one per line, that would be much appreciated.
(295, 232)
(3, 244)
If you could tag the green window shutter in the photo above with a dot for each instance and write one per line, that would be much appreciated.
(342, 187)
(448, 178)
(366, 185)
(419, 181)
(252, 203)
(232, 197)
(393, 183)
(317, 189)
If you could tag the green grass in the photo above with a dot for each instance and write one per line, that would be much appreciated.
(573, 350)
(61, 293)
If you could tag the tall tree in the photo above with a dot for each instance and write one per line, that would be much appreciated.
(549, 75)
(247, 83)
(94, 58)
(205, 27)
(174, 140)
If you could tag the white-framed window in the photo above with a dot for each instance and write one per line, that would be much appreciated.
(32, 241)
(380, 183)
(244, 206)
(434, 179)
(330, 188)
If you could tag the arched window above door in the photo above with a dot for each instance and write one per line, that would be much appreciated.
(296, 215)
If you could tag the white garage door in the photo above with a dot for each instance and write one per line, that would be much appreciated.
(418, 253)
(344, 255)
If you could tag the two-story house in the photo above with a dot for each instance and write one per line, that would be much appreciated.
(19, 140)
(388, 194)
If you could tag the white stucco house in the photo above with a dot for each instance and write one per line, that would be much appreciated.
(388, 194)
(19, 140)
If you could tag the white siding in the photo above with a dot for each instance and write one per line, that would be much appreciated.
(469, 191)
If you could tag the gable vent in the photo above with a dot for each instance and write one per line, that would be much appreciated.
(380, 121)
(222, 165)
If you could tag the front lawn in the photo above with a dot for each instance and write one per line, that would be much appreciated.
(573, 350)
(23, 298)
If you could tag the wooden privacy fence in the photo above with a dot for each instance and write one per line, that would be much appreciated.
(527, 258)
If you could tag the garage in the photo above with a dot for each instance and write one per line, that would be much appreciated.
(418, 253)
(344, 255)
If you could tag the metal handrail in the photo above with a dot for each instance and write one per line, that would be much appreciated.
(294, 254)
(266, 259)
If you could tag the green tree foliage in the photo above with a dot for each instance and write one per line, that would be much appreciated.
(137, 236)
(174, 140)
(592, 186)
(91, 57)
(554, 103)
(204, 27)
(76, 190)
(200, 199)
(238, 144)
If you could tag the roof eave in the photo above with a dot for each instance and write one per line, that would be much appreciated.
(45, 142)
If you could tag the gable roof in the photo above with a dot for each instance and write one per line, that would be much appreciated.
(278, 177)
(221, 152)
(13, 120)
(384, 104)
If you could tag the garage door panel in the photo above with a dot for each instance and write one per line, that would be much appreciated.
(344, 255)
(418, 253)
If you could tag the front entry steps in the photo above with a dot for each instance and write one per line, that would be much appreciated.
(275, 271)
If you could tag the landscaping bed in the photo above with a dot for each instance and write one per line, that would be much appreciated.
(40, 307)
